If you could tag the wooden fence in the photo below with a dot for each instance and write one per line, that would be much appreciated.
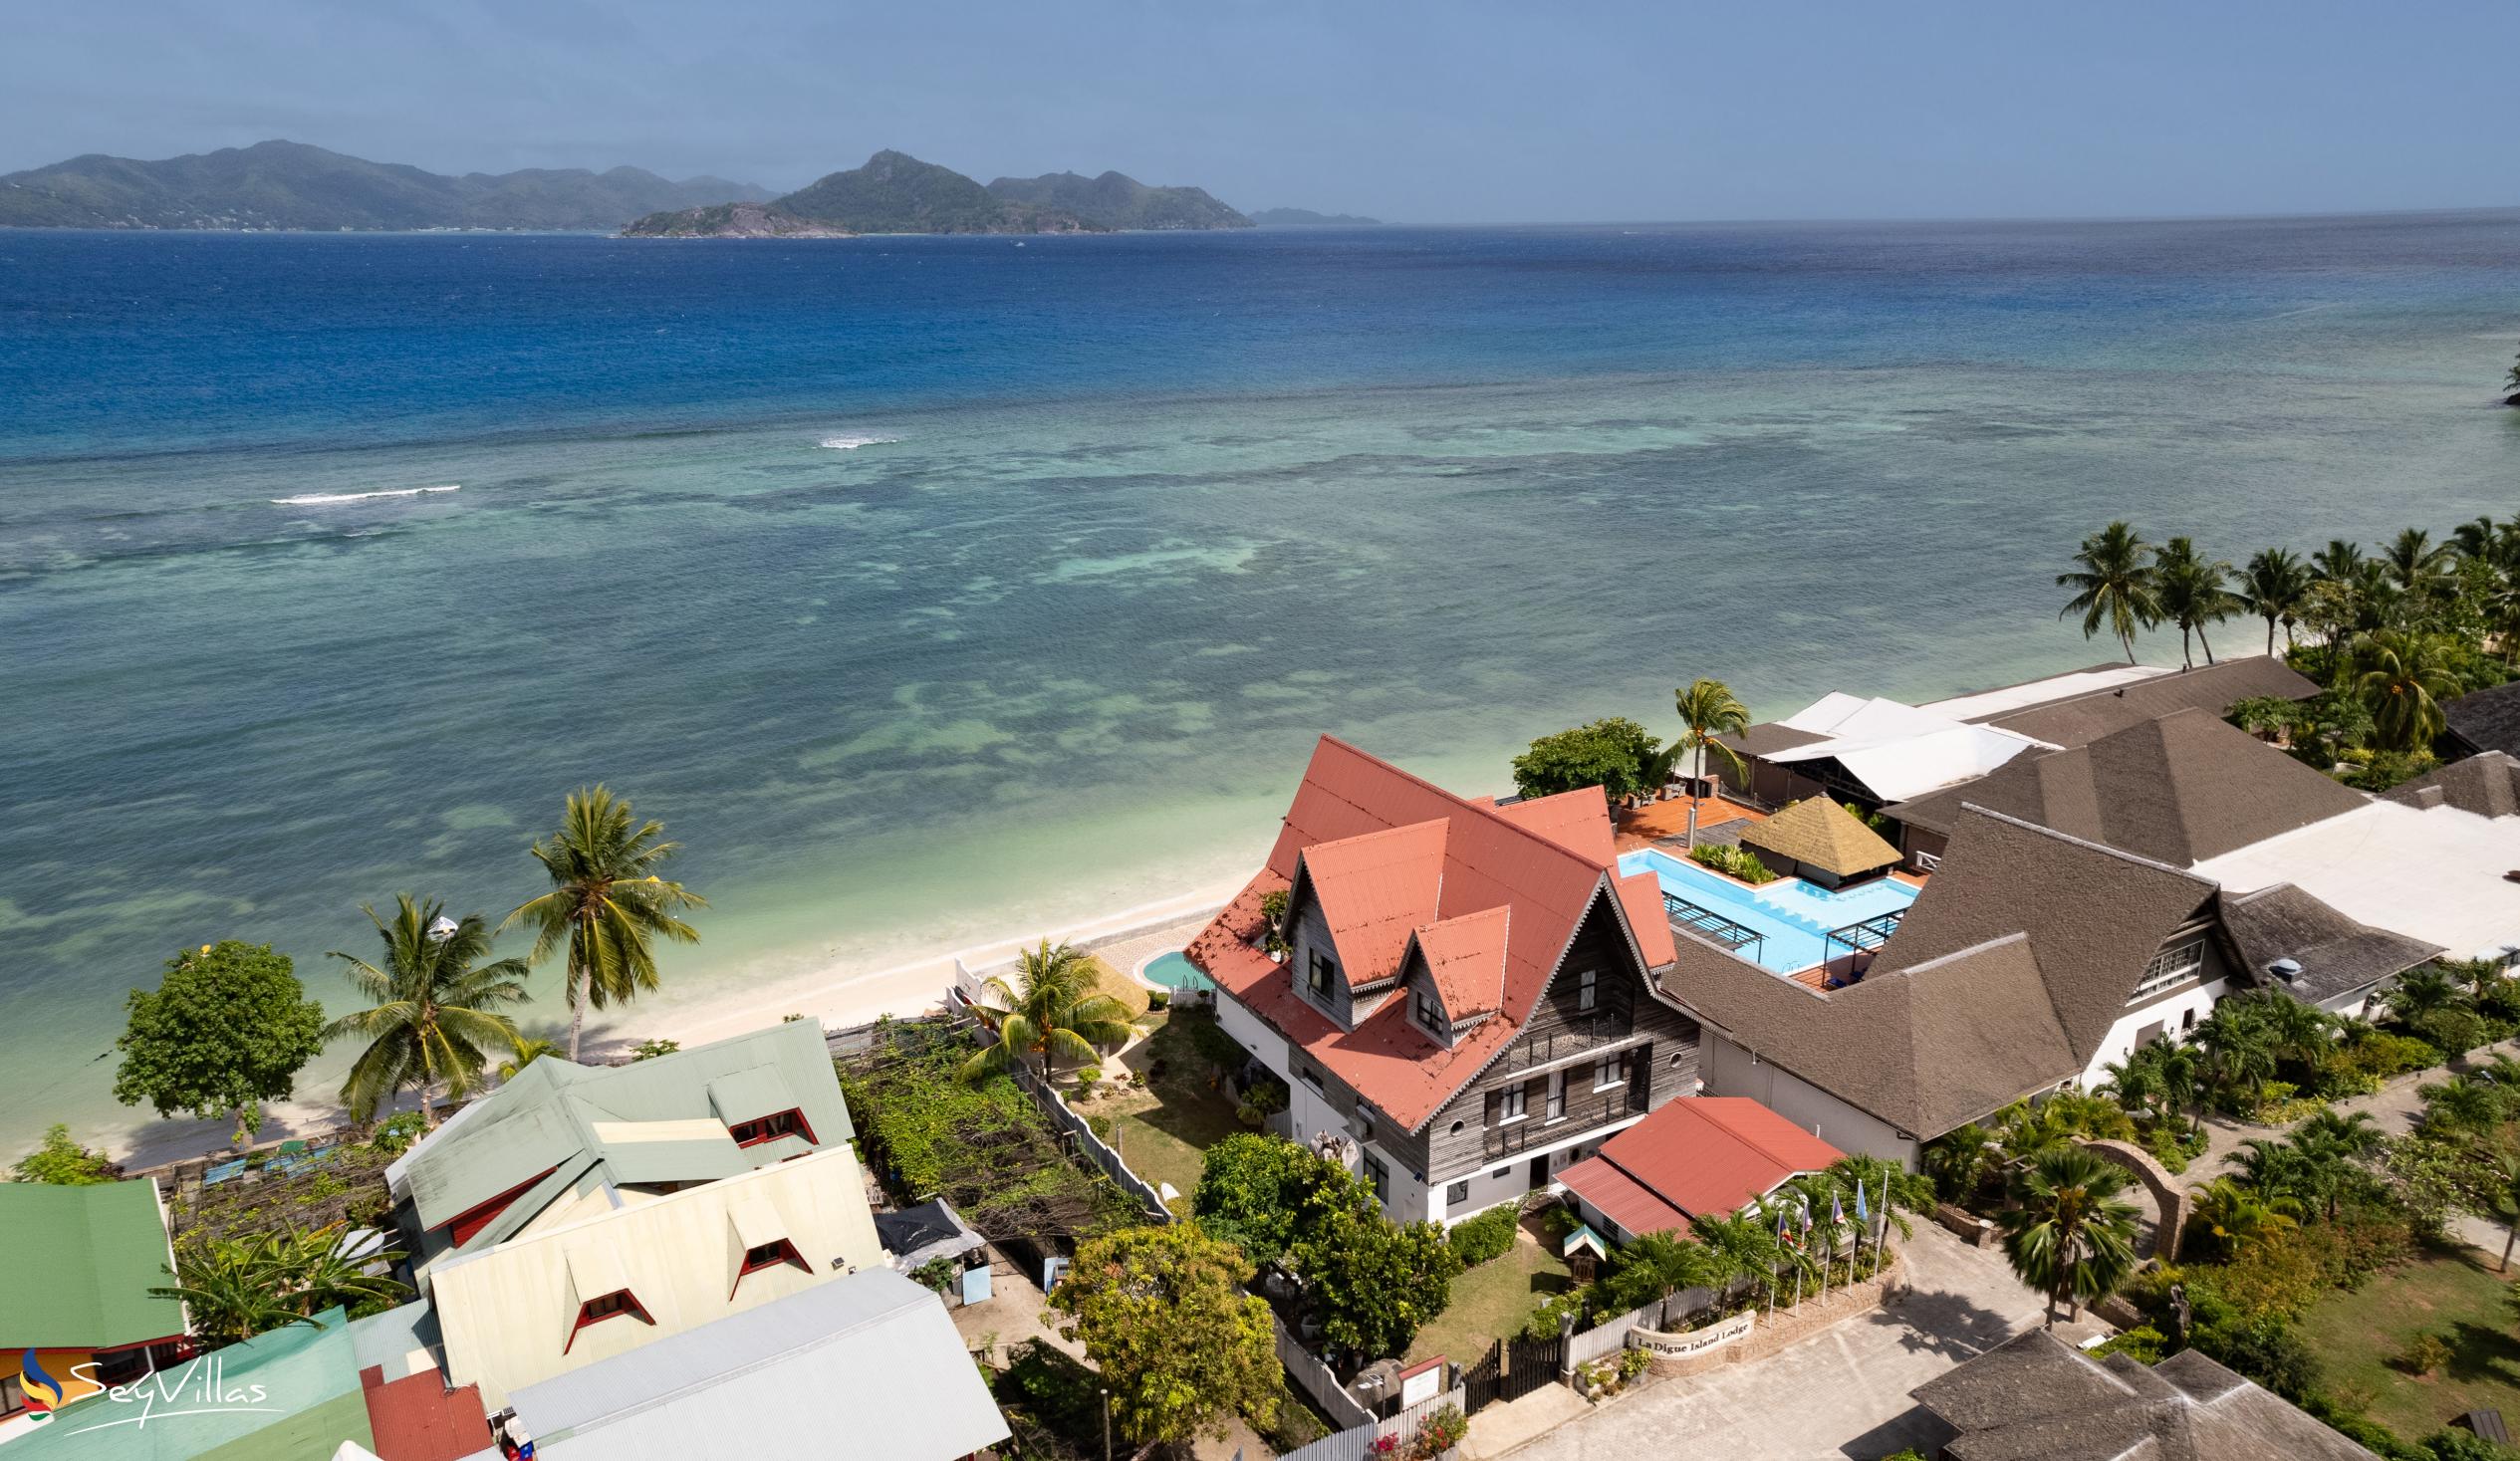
(1358, 1441)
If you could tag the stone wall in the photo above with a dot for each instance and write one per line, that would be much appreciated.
(1973, 1230)
(2170, 1202)
(1772, 1333)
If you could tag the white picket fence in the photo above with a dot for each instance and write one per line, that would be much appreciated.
(1358, 1441)
(1096, 1150)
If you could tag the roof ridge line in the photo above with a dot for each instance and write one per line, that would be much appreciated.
(2103, 848)
(1491, 812)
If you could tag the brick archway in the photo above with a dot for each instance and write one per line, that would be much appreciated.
(2170, 1202)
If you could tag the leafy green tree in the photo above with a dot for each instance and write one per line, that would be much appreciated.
(237, 1288)
(1654, 1268)
(2231, 1218)
(2403, 678)
(1182, 1348)
(227, 1030)
(2113, 582)
(1251, 1188)
(2512, 378)
(2239, 1051)
(1372, 1283)
(2276, 587)
(434, 1018)
(1958, 1160)
(1710, 709)
(1611, 753)
(2071, 1235)
(1055, 1015)
(606, 905)
(2193, 592)
(63, 1162)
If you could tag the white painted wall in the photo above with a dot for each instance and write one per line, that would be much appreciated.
(1246, 1028)
(1729, 1069)
(2171, 1014)
(1488, 1189)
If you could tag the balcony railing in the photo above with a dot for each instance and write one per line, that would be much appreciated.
(1615, 1020)
(1583, 1110)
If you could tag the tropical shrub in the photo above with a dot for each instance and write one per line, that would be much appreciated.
(2144, 1343)
(63, 1162)
(395, 1133)
(1439, 1430)
(2425, 1353)
(1487, 1236)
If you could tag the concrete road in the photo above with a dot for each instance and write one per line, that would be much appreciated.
(1839, 1393)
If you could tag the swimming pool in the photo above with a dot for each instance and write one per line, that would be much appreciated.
(1792, 918)
(1172, 971)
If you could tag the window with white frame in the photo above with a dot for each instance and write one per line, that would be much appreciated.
(1557, 1096)
(1456, 1195)
(1316, 976)
(2174, 965)
(1610, 1072)
(1509, 1104)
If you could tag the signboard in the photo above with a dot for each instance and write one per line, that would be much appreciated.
(1422, 1383)
(1695, 1342)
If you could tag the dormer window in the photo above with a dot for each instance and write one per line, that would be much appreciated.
(1429, 1014)
(1588, 993)
(608, 1306)
(771, 1127)
(770, 1254)
(1317, 974)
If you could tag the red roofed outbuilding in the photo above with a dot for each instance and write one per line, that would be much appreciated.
(1708, 1158)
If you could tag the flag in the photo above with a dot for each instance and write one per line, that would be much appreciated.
(1836, 1212)
(1862, 1214)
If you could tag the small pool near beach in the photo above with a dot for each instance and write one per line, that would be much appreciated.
(1175, 972)
(1790, 918)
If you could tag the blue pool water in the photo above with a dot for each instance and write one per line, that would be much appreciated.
(1792, 917)
(1175, 972)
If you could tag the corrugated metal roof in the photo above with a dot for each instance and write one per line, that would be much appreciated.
(79, 1262)
(1710, 1155)
(1621, 1198)
(309, 1377)
(751, 1094)
(873, 1355)
(1374, 889)
(1465, 956)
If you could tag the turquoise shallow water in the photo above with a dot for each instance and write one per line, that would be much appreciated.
(1128, 521)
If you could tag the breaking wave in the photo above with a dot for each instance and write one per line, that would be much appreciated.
(851, 443)
(328, 499)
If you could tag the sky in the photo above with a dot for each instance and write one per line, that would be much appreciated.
(1461, 112)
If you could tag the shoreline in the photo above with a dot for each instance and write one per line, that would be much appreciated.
(837, 999)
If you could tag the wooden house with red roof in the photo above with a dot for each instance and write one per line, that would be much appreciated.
(1471, 1001)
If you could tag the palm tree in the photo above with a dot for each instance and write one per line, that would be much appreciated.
(2072, 1236)
(1744, 1244)
(2483, 539)
(2135, 1082)
(1708, 709)
(2235, 1217)
(434, 1017)
(2193, 592)
(2239, 1055)
(2417, 566)
(2460, 1106)
(1956, 1161)
(2278, 1172)
(2331, 1143)
(606, 903)
(528, 1051)
(236, 1288)
(2113, 583)
(2506, 1201)
(1057, 1012)
(2182, 1070)
(2338, 563)
(2420, 992)
(2274, 586)
(2402, 679)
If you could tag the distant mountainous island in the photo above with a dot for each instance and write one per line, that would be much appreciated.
(290, 186)
(896, 192)
(1307, 218)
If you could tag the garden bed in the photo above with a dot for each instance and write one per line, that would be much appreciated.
(2361, 1337)
(341, 1185)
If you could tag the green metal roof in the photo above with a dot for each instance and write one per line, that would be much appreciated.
(310, 1403)
(80, 1263)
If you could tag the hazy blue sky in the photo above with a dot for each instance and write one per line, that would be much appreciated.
(1454, 111)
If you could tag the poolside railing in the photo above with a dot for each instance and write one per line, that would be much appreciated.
(1737, 937)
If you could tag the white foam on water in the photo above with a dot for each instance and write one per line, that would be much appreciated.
(851, 443)
(326, 499)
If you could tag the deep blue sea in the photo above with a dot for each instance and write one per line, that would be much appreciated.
(933, 586)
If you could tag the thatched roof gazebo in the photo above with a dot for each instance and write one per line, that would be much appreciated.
(1819, 841)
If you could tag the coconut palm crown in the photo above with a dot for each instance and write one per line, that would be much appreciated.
(2072, 1237)
(606, 905)
(2113, 584)
(434, 1019)
(1055, 1015)
(1708, 709)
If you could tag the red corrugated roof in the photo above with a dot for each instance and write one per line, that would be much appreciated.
(1706, 1155)
(417, 1418)
(1373, 890)
(1467, 957)
(1541, 865)
(1640, 894)
(1621, 1198)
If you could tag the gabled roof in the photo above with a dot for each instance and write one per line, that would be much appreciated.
(2080, 719)
(1533, 862)
(1577, 821)
(1465, 957)
(1703, 1157)
(2487, 720)
(1374, 888)
(2486, 784)
(80, 1264)
(1895, 749)
(2035, 1397)
(580, 1127)
(307, 1373)
(1821, 833)
(2001, 980)
(873, 1352)
(2337, 955)
(2179, 790)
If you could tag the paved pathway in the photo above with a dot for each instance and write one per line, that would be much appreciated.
(1841, 1393)
(2394, 1107)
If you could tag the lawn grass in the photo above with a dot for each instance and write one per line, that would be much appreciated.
(2458, 1297)
(1164, 1129)
(1491, 1301)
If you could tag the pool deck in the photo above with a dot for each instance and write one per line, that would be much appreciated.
(1666, 823)
(1134, 953)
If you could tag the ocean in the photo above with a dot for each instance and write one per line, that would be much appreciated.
(936, 588)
